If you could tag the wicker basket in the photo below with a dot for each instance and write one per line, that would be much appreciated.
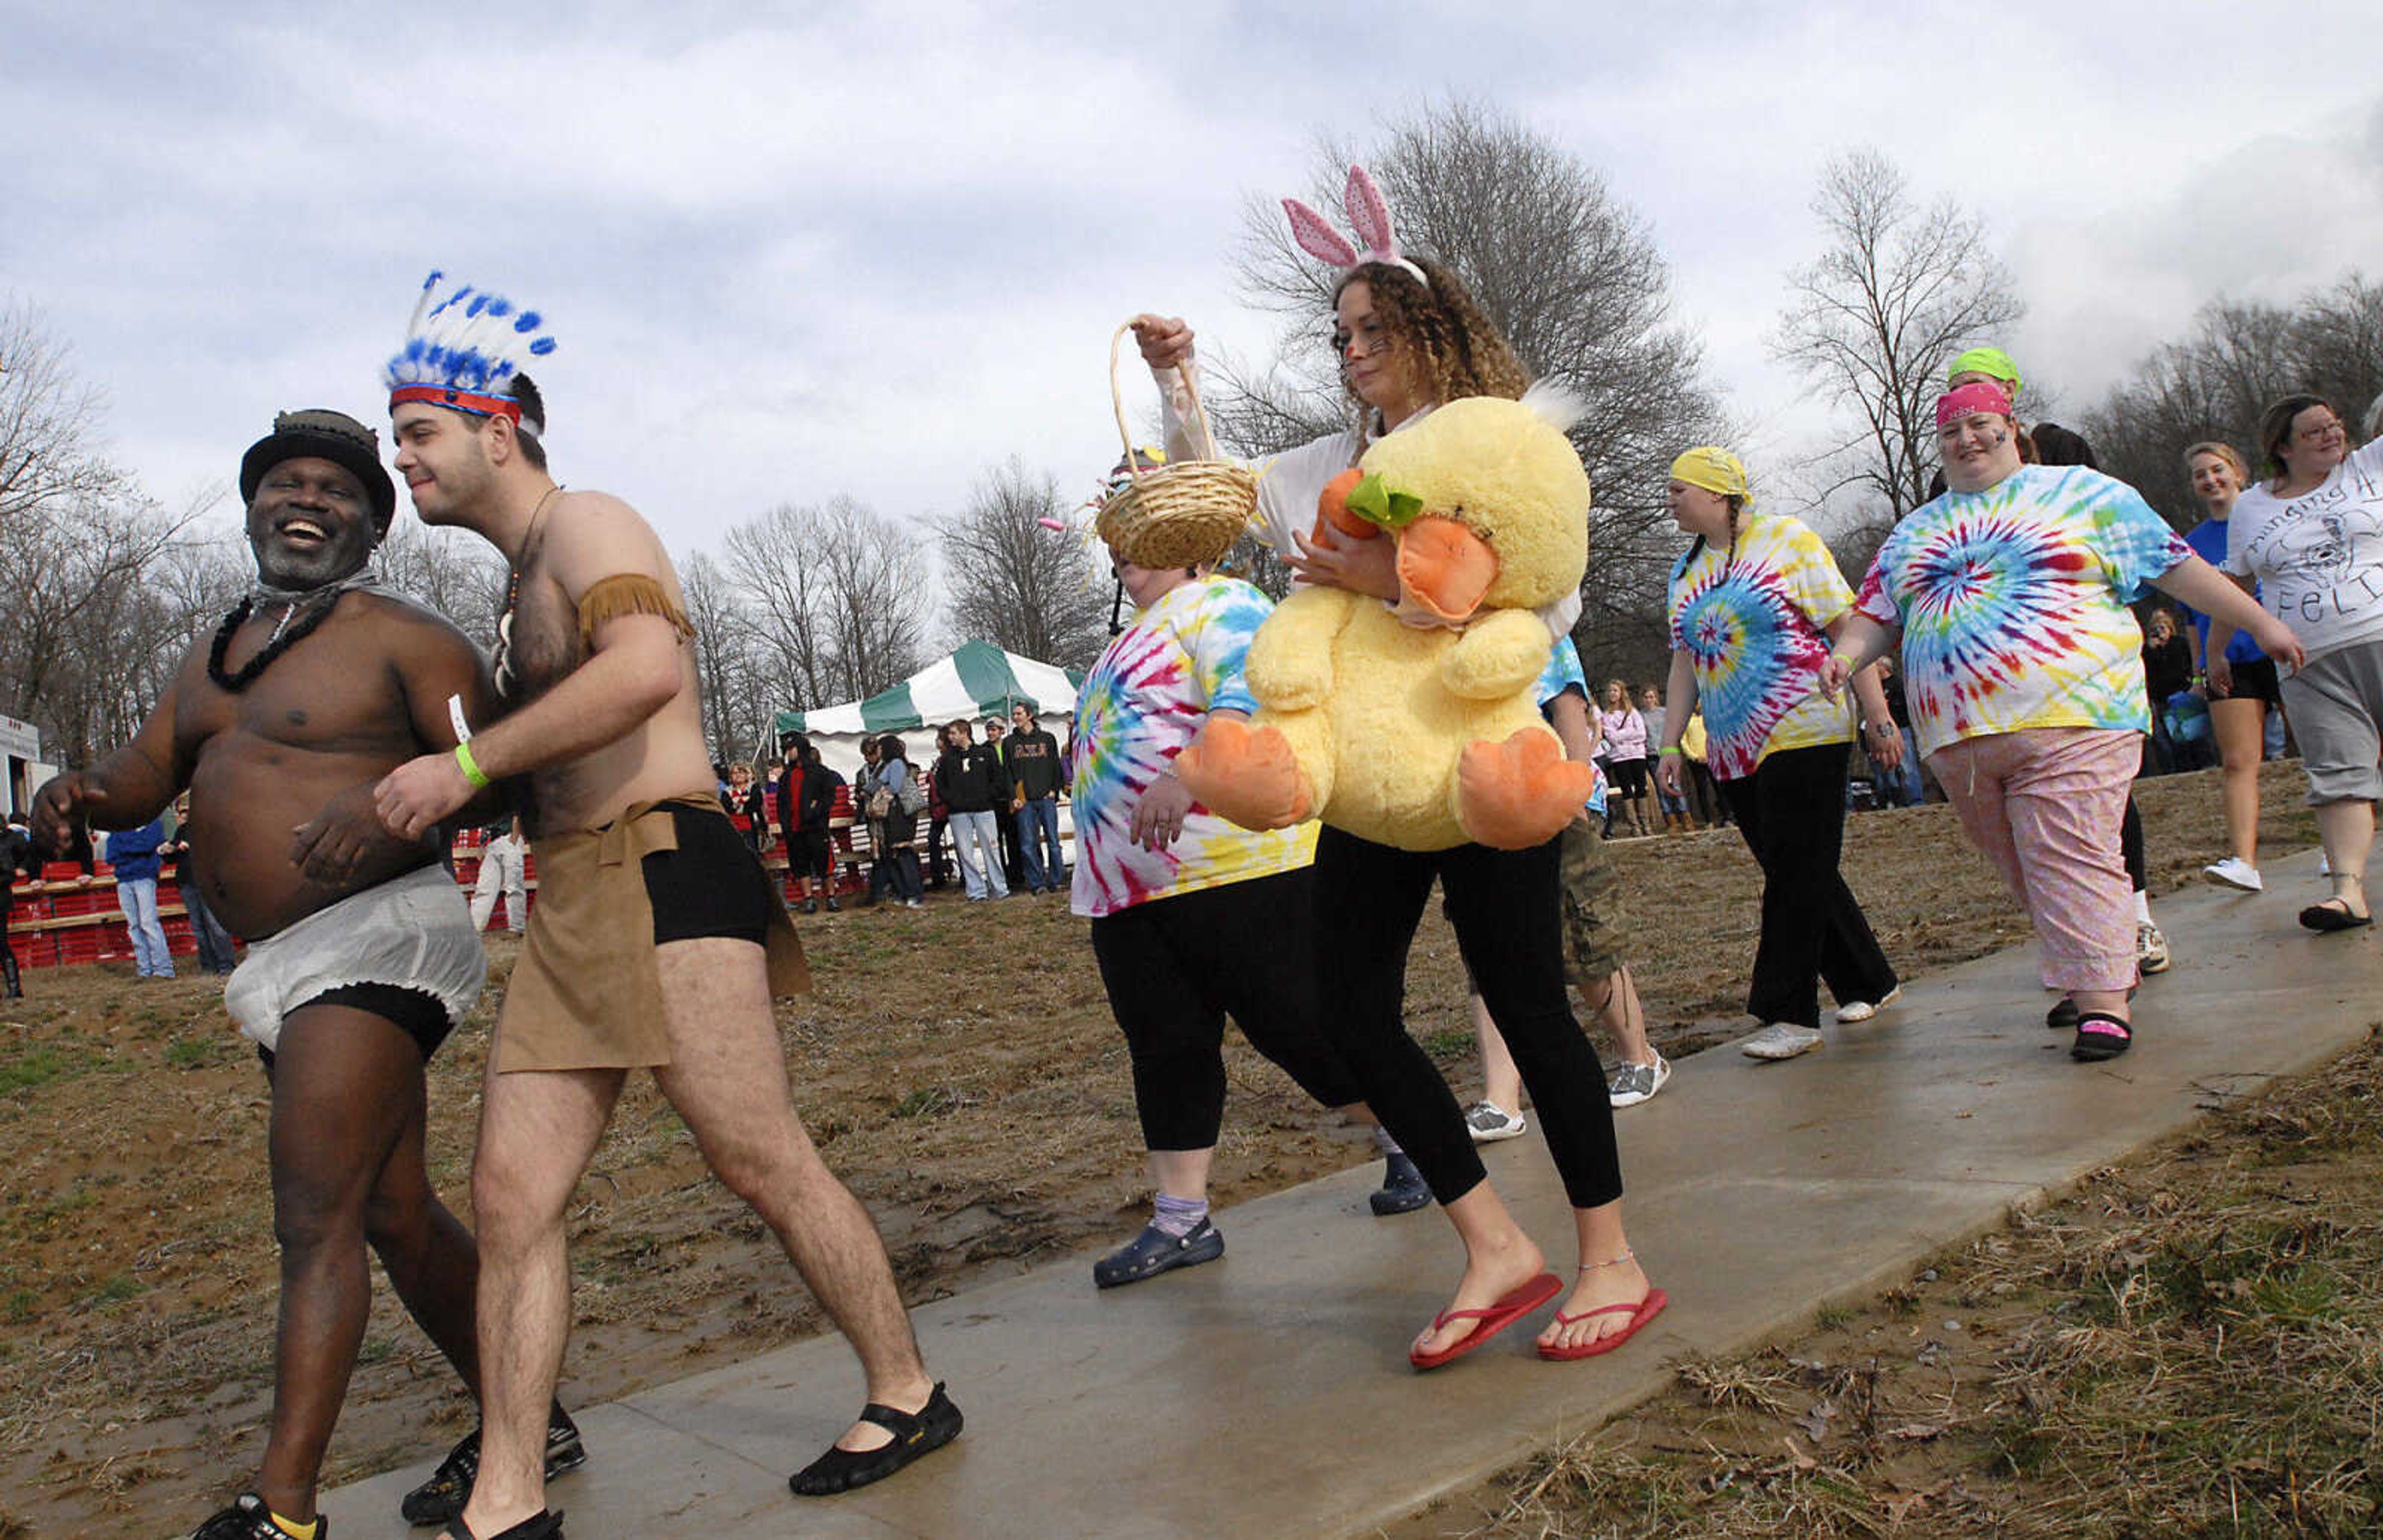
(1182, 514)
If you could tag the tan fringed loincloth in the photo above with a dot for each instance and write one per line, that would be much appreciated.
(586, 993)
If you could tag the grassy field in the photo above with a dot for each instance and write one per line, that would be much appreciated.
(958, 1064)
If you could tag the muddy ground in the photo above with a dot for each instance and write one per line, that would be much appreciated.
(958, 1064)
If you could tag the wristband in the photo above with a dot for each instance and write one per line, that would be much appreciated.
(1668, 748)
(471, 768)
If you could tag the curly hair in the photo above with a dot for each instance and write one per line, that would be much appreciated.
(1456, 350)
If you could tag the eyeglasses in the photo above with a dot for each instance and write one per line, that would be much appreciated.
(2317, 434)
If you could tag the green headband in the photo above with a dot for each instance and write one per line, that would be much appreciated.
(1990, 362)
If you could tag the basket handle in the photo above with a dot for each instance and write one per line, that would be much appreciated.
(1207, 438)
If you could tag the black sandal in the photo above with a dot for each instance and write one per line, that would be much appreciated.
(2324, 917)
(915, 1434)
(2100, 1036)
(540, 1525)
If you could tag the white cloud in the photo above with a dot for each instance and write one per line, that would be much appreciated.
(877, 250)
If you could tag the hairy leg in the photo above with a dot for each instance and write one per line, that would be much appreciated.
(538, 1130)
(727, 1077)
(344, 1084)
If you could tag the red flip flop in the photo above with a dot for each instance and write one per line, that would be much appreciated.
(1511, 1307)
(1645, 1310)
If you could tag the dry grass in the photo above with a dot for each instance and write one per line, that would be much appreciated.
(2191, 1345)
(958, 1066)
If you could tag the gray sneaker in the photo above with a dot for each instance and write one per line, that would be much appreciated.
(1634, 1083)
(1781, 1040)
(1488, 1123)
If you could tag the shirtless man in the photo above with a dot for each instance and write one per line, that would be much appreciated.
(362, 954)
(657, 941)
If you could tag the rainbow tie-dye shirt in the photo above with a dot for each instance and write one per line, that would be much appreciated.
(2013, 604)
(1180, 660)
(1754, 625)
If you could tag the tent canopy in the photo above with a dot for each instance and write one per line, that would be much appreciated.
(977, 679)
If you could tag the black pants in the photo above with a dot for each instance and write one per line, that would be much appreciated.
(2131, 846)
(1792, 812)
(1175, 968)
(1505, 906)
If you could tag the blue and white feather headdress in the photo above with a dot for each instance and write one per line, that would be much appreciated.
(462, 351)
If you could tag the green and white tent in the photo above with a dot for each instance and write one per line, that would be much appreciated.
(978, 680)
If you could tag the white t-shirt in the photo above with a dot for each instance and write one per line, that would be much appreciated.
(2318, 557)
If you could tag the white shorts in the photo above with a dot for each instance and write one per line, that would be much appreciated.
(413, 932)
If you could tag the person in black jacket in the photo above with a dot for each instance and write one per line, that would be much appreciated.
(16, 856)
(1034, 774)
(974, 785)
(806, 801)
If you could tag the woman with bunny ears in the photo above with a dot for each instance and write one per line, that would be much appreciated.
(1411, 338)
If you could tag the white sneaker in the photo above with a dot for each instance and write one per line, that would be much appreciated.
(2151, 948)
(1488, 1123)
(1781, 1040)
(1862, 1010)
(2234, 872)
(1634, 1083)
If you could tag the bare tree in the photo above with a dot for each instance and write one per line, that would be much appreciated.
(739, 697)
(839, 596)
(46, 413)
(1015, 583)
(455, 573)
(1570, 274)
(2213, 383)
(1898, 291)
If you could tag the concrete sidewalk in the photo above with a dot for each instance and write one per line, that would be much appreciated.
(1269, 1395)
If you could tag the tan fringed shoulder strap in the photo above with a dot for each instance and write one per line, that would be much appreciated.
(627, 593)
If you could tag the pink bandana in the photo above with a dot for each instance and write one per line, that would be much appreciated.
(1977, 395)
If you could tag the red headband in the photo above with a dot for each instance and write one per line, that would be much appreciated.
(1977, 396)
(461, 400)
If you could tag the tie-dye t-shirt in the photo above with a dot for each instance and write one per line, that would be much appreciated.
(2013, 604)
(1754, 625)
(1563, 672)
(1144, 700)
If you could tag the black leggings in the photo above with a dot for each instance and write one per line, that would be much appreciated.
(1177, 967)
(2131, 846)
(1792, 813)
(1505, 905)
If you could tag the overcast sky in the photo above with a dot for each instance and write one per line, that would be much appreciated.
(790, 251)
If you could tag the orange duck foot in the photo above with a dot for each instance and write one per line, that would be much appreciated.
(1249, 775)
(1519, 794)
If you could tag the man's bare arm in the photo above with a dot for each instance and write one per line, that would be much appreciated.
(125, 789)
(631, 673)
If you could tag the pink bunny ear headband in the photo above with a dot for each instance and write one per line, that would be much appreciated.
(1369, 215)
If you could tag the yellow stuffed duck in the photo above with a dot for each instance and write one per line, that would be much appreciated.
(1419, 727)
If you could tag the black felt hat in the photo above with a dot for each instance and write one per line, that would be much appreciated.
(326, 435)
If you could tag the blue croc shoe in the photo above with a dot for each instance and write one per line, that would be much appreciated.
(1155, 1251)
(1403, 1191)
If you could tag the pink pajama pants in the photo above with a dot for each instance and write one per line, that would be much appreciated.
(2044, 804)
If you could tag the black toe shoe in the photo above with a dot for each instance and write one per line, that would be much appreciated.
(1155, 1251)
(1403, 1191)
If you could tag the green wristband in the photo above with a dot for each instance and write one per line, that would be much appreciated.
(1673, 748)
(471, 767)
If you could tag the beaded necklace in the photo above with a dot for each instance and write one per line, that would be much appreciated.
(285, 636)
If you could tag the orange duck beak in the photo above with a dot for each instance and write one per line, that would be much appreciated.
(1445, 568)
